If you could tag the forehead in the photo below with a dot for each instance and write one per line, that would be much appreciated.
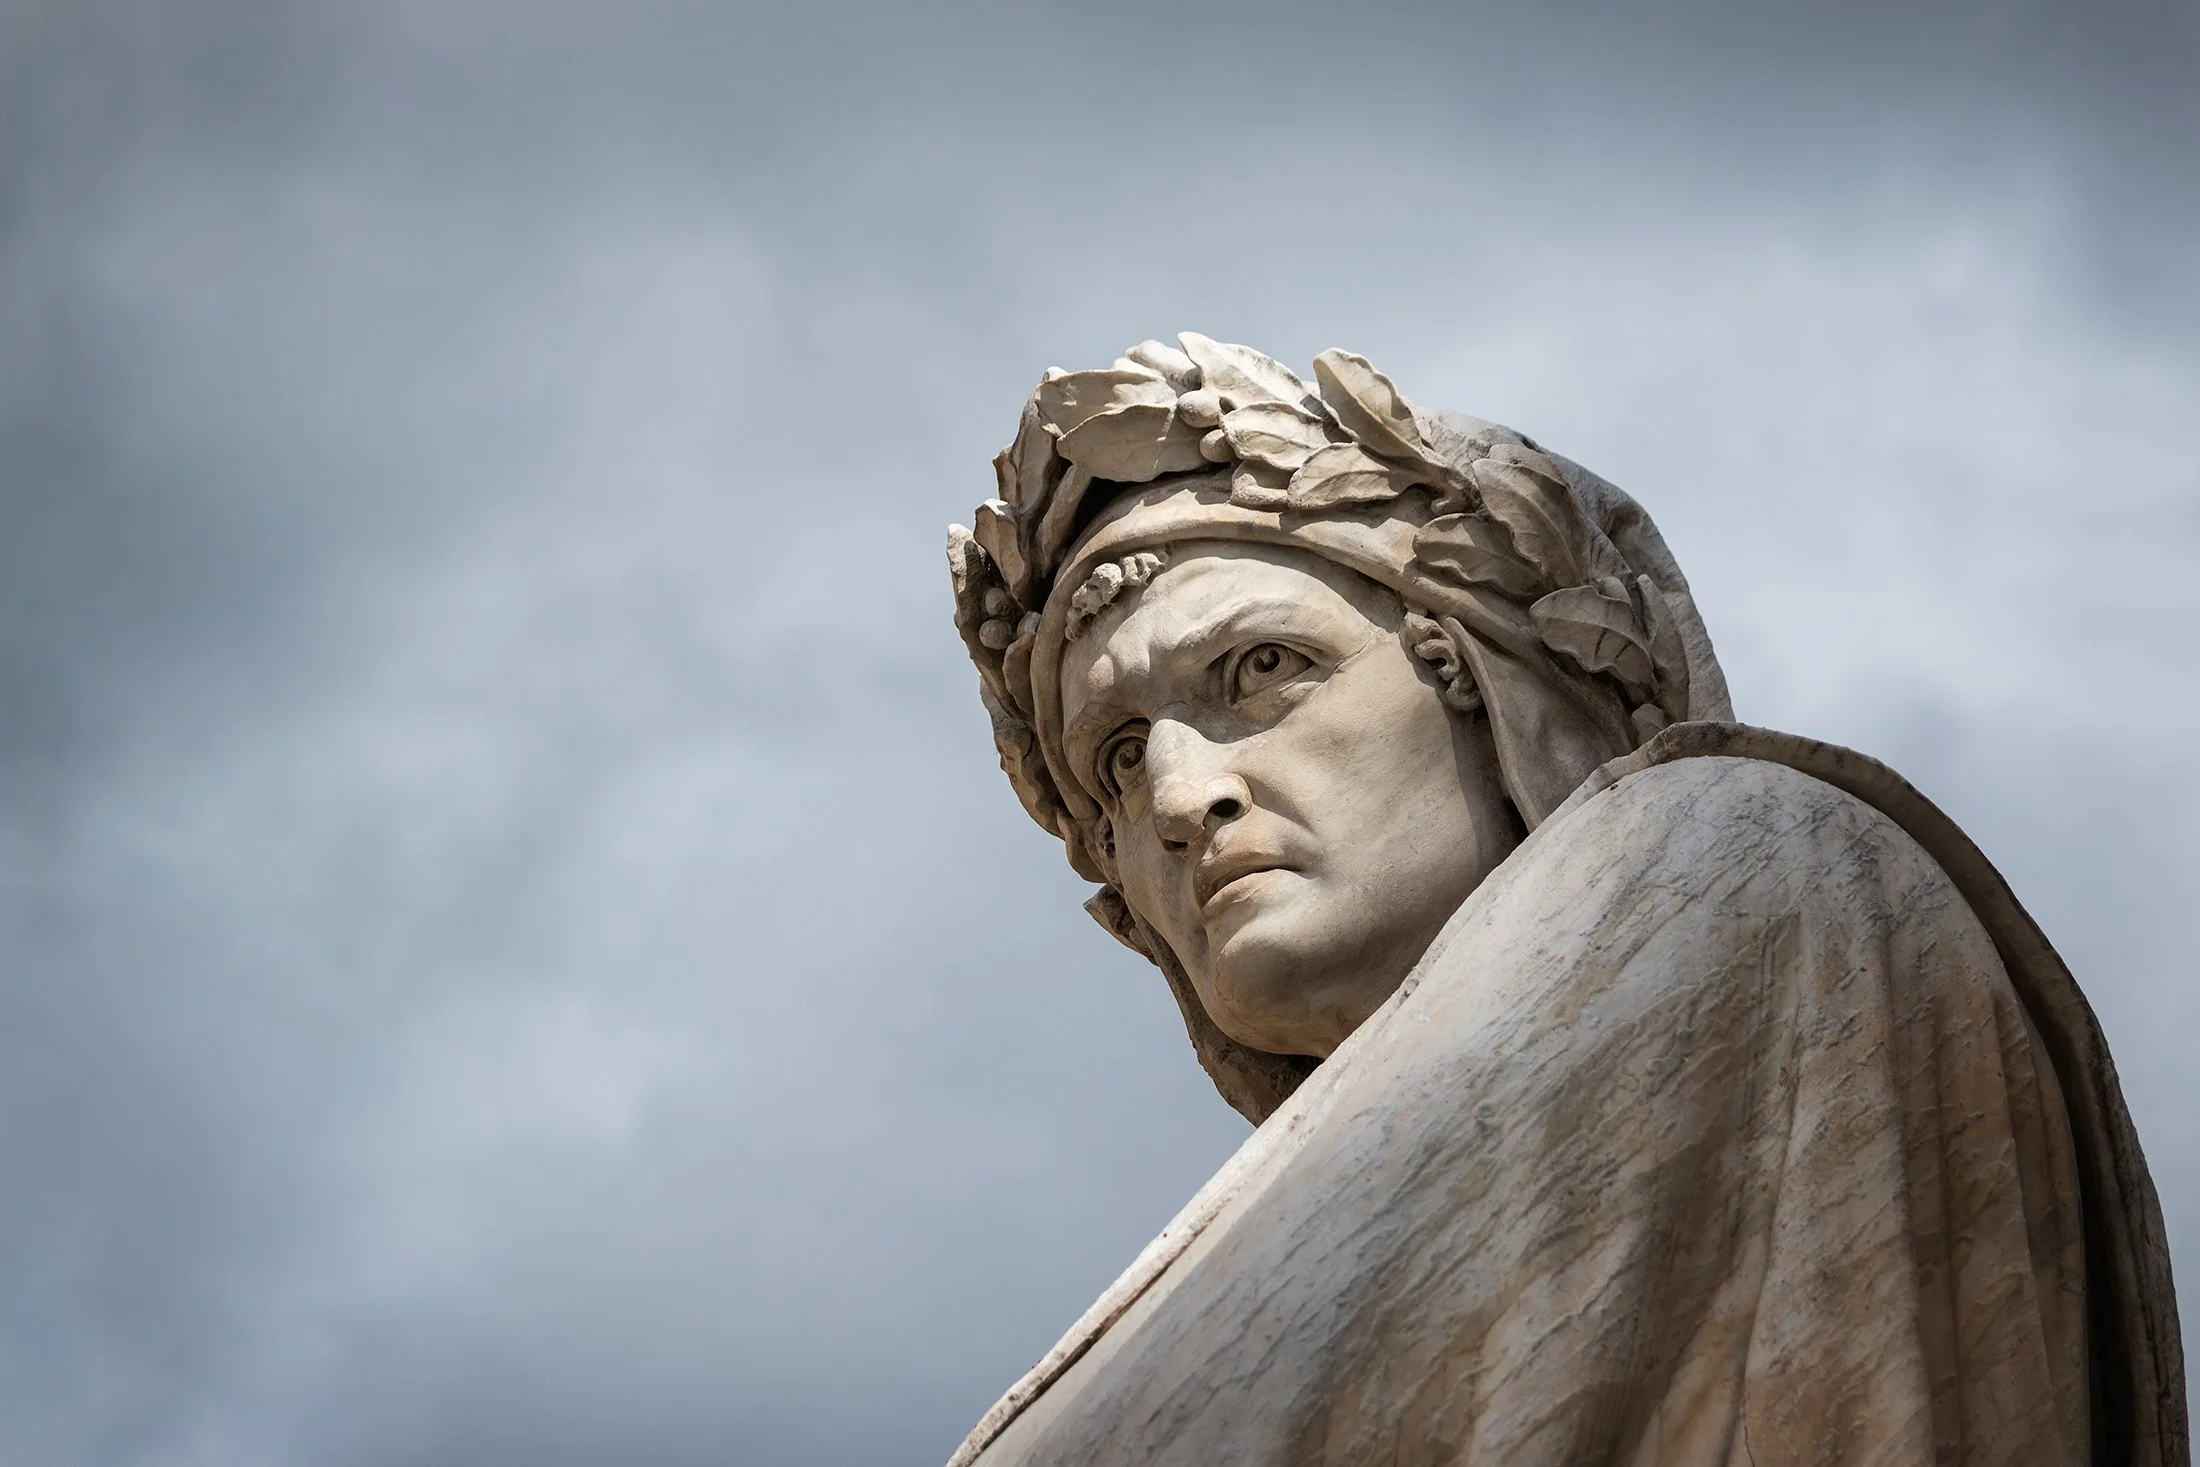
(1206, 587)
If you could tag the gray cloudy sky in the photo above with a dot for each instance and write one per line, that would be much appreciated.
(513, 948)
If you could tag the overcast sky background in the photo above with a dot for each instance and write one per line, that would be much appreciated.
(513, 946)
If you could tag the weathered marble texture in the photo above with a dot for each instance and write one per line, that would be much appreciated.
(1713, 1129)
(1734, 1109)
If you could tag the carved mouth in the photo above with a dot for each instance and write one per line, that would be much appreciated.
(1216, 876)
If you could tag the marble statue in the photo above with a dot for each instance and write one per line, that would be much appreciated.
(1631, 1085)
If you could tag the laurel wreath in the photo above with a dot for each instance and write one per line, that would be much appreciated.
(1508, 554)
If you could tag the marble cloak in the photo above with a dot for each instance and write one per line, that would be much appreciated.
(1741, 1117)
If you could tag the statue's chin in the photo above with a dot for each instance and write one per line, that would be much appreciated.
(1290, 979)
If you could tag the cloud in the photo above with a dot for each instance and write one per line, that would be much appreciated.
(512, 946)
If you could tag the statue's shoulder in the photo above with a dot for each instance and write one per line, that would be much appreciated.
(1716, 789)
(1716, 781)
(1727, 780)
(1719, 828)
(1710, 797)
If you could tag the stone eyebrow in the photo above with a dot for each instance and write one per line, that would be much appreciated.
(1201, 634)
(1232, 618)
(1100, 717)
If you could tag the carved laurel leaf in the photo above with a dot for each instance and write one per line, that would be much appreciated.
(1181, 370)
(1134, 442)
(1474, 551)
(1073, 397)
(1240, 374)
(1667, 652)
(1524, 493)
(1369, 406)
(1598, 630)
(1016, 666)
(1046, 543)
(1282, 435)
(1345, 473)
(1022, 762)
(973, 575)
(978, 592)
(1257, 486)
(1035, 464)
(995, 532)
(963, 569)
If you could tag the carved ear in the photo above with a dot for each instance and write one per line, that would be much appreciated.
(1440, 642)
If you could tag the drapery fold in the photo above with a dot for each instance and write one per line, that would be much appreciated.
(1732, 1120)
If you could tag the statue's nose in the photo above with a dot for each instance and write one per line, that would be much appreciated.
(1194, 789)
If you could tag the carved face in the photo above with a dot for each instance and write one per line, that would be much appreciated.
(1294, 808)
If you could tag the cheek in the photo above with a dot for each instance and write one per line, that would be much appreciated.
(1152, 881)
(1381, 757)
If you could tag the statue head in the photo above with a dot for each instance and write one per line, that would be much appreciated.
(1291, 669)
(1288, 802)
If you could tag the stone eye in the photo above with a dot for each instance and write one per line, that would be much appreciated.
(1263, 666)
(1123, 760)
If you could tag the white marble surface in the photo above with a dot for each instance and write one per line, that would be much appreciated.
(1738, 1113)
